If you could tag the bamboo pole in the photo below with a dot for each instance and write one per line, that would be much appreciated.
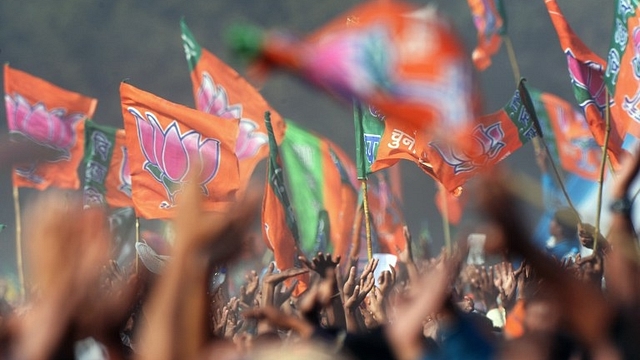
(367, 219)
(602, 167)
(19, 262)
(137, 239)
(445, 219)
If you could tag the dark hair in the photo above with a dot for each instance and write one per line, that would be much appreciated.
(568, 221)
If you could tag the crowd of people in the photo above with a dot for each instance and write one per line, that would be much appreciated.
(529, 302)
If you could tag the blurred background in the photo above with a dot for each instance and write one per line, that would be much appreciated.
(91, 46)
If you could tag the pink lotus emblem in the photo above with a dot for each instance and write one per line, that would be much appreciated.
(54, 129)
(213, 99)
(171, 155)
(589, 77)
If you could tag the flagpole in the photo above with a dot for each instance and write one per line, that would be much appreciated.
(445, 218)
(367, 219)
(602, 167)
(137, 238)
(19, 264)
(355, 240)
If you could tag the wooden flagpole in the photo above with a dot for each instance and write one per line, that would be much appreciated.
(602, 167)
(367, 219)
(19, 263)
(135, 250)
(445, 219)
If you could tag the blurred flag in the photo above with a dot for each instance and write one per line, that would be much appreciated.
(107, 177)
(567, 136)
(314, 175)
(586, 70)
(219, 90)
(405, 61)
(280, 228)
(450, 203)
(166, 143)
(386, 214)
(623, 69)
(489, 19)
(46, 115)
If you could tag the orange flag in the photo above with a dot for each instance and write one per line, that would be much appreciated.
(168, 142)
(404, 61)
(219, 90)
(488, 17)
(280, 229)
(586, 70)
(49, 116)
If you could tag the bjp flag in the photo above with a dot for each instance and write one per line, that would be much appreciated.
(489, 20)
(48, 116)
(167, 143)
(623, 71)
(279, 225)
(406, 62)
(107, 177)
(219, 90)
(586, 70)
(567, 135)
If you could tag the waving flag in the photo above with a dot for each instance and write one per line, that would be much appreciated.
(622, 74)
(567, 135)
(409, 64)
(280, 228)
(46, 115)
(317, 175)
(387, 217)
(219, 90)
(488, 18)
(107, 177)
(586, 70)
(166, 143)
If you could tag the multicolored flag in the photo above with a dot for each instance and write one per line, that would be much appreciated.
(313, 172)
(219, 90)
(107, 175)
(405, 61)
(490, 21)
(567, 135)
(280, 228)
(167, 143)
(586, 70)
(623, 70)
(48, 116)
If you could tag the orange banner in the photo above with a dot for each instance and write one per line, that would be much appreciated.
(167, 143)
(48, 116)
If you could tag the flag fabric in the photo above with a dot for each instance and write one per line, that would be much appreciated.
(107, 177)
(567, 135)
(280, 228)
(386, 215)
(623, 71)
(586, 70)
(320, 186)
(489, 19)
(494, 137)
(166, 143)
(219, 90)
(49, 116)
(406, 62)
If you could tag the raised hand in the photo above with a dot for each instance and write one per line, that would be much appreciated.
(504, 279)
(320, 263)
(248, 291)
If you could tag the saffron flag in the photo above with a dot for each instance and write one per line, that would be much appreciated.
(567, 135)
(586, 70)
(46, 115)
(489, 19)
(623, 71)
(386, 214)
(319, 191)
(280, 228)
(409, 64)
(219, 90)
(494, 137)
(166, 143)
(107, 177)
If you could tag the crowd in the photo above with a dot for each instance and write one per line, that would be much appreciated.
(531, 303)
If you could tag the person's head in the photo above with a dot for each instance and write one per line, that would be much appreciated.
(564, 223)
